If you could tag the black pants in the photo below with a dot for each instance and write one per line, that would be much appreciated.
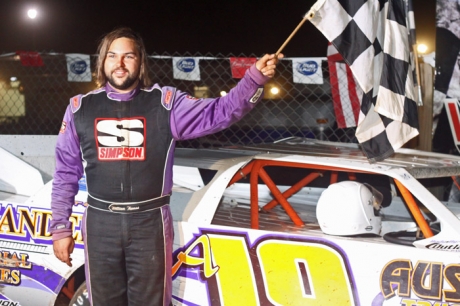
(129, 257)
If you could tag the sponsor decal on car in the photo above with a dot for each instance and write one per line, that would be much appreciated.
(11, 264)
(426, 280)
(28, 224)
(294, 271)
(452, 246)
(9, 303)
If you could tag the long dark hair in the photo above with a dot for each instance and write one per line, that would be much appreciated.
(104, 46)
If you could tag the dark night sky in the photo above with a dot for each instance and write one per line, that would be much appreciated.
(199, 26)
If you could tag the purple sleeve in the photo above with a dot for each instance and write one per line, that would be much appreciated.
(192, 118)
(69, 169)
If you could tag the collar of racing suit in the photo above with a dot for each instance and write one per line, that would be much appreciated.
(113, 94)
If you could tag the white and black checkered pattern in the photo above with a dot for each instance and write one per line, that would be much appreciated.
(373, 38)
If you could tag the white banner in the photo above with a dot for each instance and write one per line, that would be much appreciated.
(78, 67)
(307, 70)
(186, 68)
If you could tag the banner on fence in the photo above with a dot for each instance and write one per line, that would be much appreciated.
(307, 70)
(239, 65)
(31, 59)
(78, 67)
(186, 68)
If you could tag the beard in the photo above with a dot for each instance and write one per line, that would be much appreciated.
(124, 84)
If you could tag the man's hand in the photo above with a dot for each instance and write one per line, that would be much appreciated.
(63, 248)
(267, 64)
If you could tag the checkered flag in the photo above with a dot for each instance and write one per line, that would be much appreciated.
(372, 37)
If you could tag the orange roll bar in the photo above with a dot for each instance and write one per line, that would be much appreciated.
(253, 181)
(282, 200)
(242, 173)
(334, 177)
(302, 183)
(255, 169)
(415, 210)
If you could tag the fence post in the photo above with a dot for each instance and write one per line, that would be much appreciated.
(425, 112)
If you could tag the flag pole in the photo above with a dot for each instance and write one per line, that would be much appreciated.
(307, 16)
(417, 75)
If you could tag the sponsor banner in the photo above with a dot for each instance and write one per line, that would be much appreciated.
(186, 68)
(78, 67)
(29, 58)
(307, 70)
(239, 65)
(453, 115)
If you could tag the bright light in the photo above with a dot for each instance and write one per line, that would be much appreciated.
(13, 79)
(32, 13)
(223, 93)
(422, 48)
(274, 90)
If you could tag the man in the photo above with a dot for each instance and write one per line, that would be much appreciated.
(122, 136)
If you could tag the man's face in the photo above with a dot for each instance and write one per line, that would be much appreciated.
(122, 65)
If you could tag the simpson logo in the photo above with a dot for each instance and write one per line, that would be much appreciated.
(63, 127)
(257, 95)
(120, 139)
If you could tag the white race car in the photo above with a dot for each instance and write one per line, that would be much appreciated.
(297, 222)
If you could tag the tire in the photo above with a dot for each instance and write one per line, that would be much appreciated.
(80, 298)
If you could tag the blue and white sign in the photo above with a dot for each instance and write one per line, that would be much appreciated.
(78, 67)
(186, 68)
(307, 70)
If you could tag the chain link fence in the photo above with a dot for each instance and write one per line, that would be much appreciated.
(33, 99)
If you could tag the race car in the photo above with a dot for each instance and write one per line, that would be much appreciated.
(295, 222)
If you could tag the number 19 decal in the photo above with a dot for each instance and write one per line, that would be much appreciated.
(294, 272)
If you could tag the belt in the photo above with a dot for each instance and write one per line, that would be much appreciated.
(129, 207)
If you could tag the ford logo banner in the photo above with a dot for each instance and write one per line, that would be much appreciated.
(186, 65)
(307, 68)
(78, 67)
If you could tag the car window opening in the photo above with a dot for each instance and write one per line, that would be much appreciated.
(283, 180)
